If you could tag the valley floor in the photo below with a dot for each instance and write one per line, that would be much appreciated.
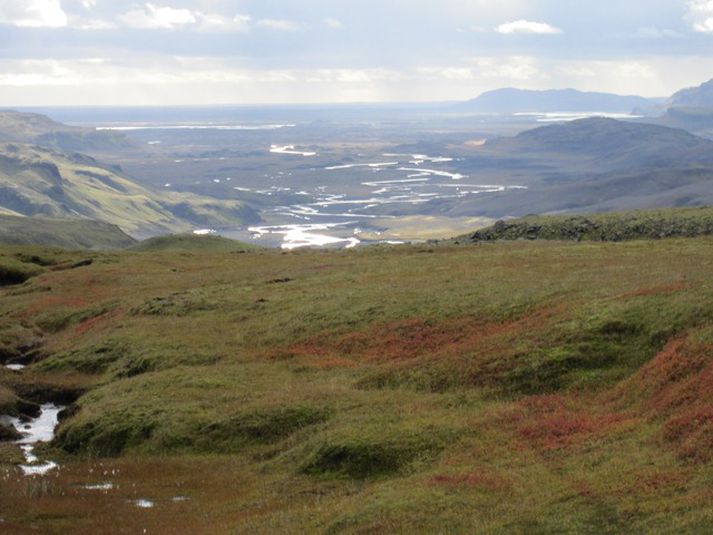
(525, 387)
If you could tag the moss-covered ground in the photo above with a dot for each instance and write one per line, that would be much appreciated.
(524, 387)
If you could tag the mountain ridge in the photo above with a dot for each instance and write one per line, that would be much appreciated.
(513, 100)
(37, 129)
(40, 181)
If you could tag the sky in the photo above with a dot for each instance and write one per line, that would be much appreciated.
(204, 52)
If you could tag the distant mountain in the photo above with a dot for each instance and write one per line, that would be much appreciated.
(593, 165)
(560, 100)
(614, 144)
(19, 127)
(694, 97)
(35, 181)
(691, 109)
(63, 233)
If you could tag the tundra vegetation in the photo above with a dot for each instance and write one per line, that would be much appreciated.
(505, 387)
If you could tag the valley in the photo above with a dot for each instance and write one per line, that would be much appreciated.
(356, 268)
(295, 178)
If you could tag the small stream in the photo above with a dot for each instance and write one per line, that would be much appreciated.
(34, 431)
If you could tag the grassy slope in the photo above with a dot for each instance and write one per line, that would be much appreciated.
(34, 180)
(617, 226)
(190, 242)
(18, 127)
(500, 388)
(65, 233)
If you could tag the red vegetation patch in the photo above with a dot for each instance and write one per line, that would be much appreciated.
(565, 428)
(655, 483)
(552, 422)
(329, 363)
(50, 302)
(546, 403)
(666, 289)
(91, 323)
(411, 339)
(678, 385)
(656, 383)
(477, 480)
(692, 433)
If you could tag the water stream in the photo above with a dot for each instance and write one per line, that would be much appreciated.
(34, 431)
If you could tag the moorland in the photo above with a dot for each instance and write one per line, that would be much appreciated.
(505, 387)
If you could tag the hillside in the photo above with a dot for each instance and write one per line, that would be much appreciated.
(690, 108)
(521, 387)
(190, 242)
(38, 181)
(64, 233)
(614, 144)
(592, 165)
(693, 97)
(512, 100)
(637, 225)
(33, 128)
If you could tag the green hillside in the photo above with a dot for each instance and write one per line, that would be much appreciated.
(509, 387)
(21, 127)
(64, 233)
(191, 242)
(38, 181)
(615, 226)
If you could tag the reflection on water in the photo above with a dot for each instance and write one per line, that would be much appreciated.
(296, 236)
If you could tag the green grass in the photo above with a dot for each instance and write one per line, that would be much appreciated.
(514, 387)
(39, 182)
(64, 233)
(190, 242)
(617, 226)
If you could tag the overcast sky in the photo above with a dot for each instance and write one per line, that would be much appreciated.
(107, 52)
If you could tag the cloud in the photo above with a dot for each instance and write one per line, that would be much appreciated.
(508, 69)
(282, 25)
(91, 24)
(700, 14)
(654, 32)
(527, 26)
(33, 13)
(154, 17)
(334, 24)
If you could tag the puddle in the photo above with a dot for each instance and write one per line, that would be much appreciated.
(143, 504)
(15, 367)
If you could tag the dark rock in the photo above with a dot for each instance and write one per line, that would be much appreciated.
(8, 433)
